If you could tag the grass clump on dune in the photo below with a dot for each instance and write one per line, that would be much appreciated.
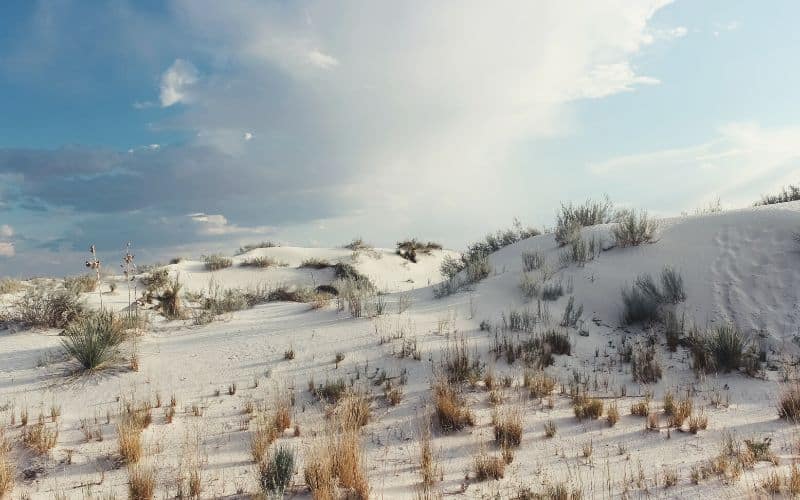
(253, 246)
(263, 262)
(276, 471)
(787, 194)
(85, 283)
(7, 468)
(93, 341)
(410, 249)
(572, 218)
(43, 308)
(10, 285)
(215, 262)
(723, 348)
(315, 263)
(634, 228)
(789, 403)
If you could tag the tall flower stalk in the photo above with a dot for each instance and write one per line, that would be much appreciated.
(94, 263)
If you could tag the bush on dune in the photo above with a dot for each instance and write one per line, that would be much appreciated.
(410, 249)
(253, 246)
(642, 303)
(787, 194)
(262, 262)
(216, 262)
(93, 341)
(85, 283)
(634, 228)
(572, 218)
(43, 308)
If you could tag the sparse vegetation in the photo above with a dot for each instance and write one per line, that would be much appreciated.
(263, 262)
(488, 467)
(723, 348)
(451, 408)
(586, 407)
(276, 471)
(253, 246)
(39, 307)
(10, 285)
(410, 249)
(315, 263)
(216, 262)
(787, 194)
(141, 482)
(633, 229)
(7, 468)
(508, 428)
(645, 365)
(571, 218)
(789, 403)
(532, 260)
(84, 283)
(156, 280)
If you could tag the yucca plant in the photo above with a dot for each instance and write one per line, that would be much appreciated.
(93, 341)
(170, 300)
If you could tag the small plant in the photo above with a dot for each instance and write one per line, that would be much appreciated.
(572, 314)
(170, 302)
(532, 260)
(409, 249)
(645, 366)
(93, 341)
(612, 414)
(634, 229)
(638, 306)
(141, 482)
(728, 346)
(672, 290)
(585, 407)
(216, 262)
(232, 389)
(642, 408)
(7, 469)
(129, 434)
(261, 438)
(789, 403)
(572, 218)
(787, 194)
(85, 283)
(550, 429)
(338, 358)
(508, 429)
(697, 423)
(262, 262)
(254, 246)
(288, 354)
(276, 471)
(39, 438)
(488, 467)
(315, 263)
(552, 291)
(451, 408)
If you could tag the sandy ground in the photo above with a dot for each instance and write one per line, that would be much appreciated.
(739, 266)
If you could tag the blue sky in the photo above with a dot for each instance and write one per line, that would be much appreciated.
(193, 126)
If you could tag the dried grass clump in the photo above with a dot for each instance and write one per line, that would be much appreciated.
(40, 307)
(263, 435)
(787, 194)
(508, 428)
(451, 408)
(338, 461)
(612, 414)
(681, 412)
(550, 429)
(253, 246)
(263, 262)
(645, 365)
(94, 341)
(428, 467)
(586, 407)
(538, 383)
(170, 302)
(216, 262)
(7, 468)
(156, 280)
(698, 423)
(141, 482)
(315, 263)
(409, 249)
(532, 260)
(84, 283)
(488, 467)
(723, 348)
(129, 446)
(789, 403)
(40, 438)
(10, 285)
(634, 229)
(353, 410)
(642, 408)
(461, 364)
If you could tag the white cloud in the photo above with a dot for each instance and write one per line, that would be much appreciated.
(176, 83)
(6, 231)
(322, 60)
(741, 162)
(609, 79)
(248, 136)
(7, 249)
(670, 33)
(218, 225)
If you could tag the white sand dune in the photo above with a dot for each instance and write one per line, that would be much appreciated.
(739, 266)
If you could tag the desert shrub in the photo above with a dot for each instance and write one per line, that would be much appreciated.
(672, 290)
(451, 408)
(315, 263)
(156, 279)
(337, 461)
(253, 246)
(488, 467)
(612, 414)
(557, 341)
(475, 269)
(532, 260)
(84, 283)
(508, 429)
(141, 482)
(459, 363)
(93, 341)
(358, 244)
(728, 346)
(346, 272)
(129, 434)
(789, 403)
(673, 329)
(642, 408)
(787, 194)
(645, 366)
(530, 285)
(331, 391)
(215, 262)
(634, 229)
(409, 249)
(638, 306)
(352, 410)
(519, 320)
(550, 429)
(451, 266)
(276, 471)
(39, 438)
(10, 285)
(552, 291)
(572, 314)
(700, 351)
(538, 383)
(169, 302)
(586, 407)
(572, 218)
(42, 308)
(263, 262)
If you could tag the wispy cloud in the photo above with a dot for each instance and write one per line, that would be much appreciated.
(177, 82)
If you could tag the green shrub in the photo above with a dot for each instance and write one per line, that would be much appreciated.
(728, 346)
(276, 471)
(634, 229)
(638, 306)
(672, 290)
(216, 262)
(532, 260)
(157, 279)
(93, 341)
(42, 308)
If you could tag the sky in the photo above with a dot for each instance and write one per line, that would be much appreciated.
(192, 126)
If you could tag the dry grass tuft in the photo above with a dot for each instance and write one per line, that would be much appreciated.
(7, 468)
(262, 437)
(488, 467)
(586, 407)
(428, 467)
(451, 408)
(130, 440)
(538, 383)
(789, 404)
(612, 414)
(338, 461)
(508, 428)
(642, 408)
(40, 438)
(141, 482)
